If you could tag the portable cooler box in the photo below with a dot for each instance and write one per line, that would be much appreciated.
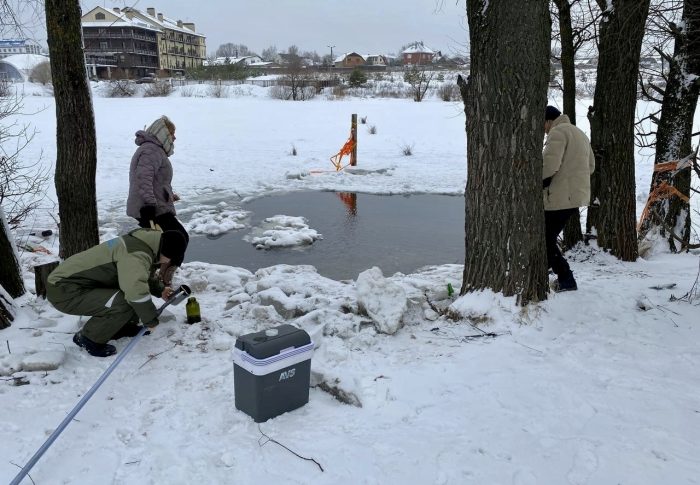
(272, 371)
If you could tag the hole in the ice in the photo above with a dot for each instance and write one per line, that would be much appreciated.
(397, 233)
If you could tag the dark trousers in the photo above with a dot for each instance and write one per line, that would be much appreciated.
(167, 222)
(554, 222)
(107, 307)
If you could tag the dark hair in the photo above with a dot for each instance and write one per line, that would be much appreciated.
(551, 113)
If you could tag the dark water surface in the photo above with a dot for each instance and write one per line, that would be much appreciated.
(396, 233)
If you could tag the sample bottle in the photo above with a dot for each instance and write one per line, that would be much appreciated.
(192, 310)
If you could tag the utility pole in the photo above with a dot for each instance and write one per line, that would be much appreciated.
(332, 59)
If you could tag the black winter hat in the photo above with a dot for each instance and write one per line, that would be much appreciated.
(173, 245)
(551, 113)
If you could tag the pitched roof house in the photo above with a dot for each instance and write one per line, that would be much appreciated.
(418, 53)
(350, 59)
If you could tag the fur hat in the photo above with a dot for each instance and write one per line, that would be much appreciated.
(173, 245)
(551, 113)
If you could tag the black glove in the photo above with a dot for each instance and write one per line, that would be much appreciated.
(148, 212)
(153, 323)
(547, 182)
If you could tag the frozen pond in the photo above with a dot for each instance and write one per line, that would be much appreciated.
(396, 233)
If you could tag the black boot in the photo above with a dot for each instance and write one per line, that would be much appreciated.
(566, 283)
(93, 348)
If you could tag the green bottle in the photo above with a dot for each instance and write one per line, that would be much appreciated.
(450, 290)
(192, 310)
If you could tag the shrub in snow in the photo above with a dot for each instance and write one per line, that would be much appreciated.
(407, 150)
(6, 88)
(295, 93)
(339, 91)
(448, 92)
(382, 300)
(158, 89)
(41, 73)
(187, 91)
(372, 130)
(120, 89)
(217, 90)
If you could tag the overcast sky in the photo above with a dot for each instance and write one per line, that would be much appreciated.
(365, 26)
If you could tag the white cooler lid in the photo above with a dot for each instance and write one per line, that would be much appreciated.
(261, 367)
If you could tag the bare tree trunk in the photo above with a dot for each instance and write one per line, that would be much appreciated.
(504, 102)
(612, 214)
(572, 230)
(10, 273)
(674, 132)
(568, 68)
(76, 161)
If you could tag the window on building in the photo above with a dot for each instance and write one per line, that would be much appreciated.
(99, 16)
(104, 45)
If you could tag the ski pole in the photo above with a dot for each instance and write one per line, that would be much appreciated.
(177, 297)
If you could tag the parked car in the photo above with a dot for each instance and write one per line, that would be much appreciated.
(146, 79)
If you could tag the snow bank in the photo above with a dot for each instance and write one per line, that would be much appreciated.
(384, 301)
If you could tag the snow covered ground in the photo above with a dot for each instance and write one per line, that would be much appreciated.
(593, 387)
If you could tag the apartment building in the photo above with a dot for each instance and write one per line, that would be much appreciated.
(180, 47)
(127, 43)
(117, 46)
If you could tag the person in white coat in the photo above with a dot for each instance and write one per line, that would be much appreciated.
(566, 182)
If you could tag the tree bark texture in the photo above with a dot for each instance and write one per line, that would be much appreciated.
(568, 67)
(504, 102)
(572, 230)
(10, 273)
(7, 314)
(612, 214)
(674, 132)
(41, 276)
(76, 160)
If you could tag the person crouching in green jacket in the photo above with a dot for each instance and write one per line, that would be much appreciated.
(113, 283)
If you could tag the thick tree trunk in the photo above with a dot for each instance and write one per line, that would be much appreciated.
(674, 133)
(568, 67)
(612, 214)
(572, 230)
(76, 160)
(10, 273)
(504, 102)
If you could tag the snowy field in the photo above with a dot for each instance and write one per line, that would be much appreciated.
(598, 386)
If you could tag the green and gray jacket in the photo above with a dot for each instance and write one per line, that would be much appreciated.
(127, 262)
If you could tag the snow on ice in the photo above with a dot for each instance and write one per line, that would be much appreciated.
(284, 231)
